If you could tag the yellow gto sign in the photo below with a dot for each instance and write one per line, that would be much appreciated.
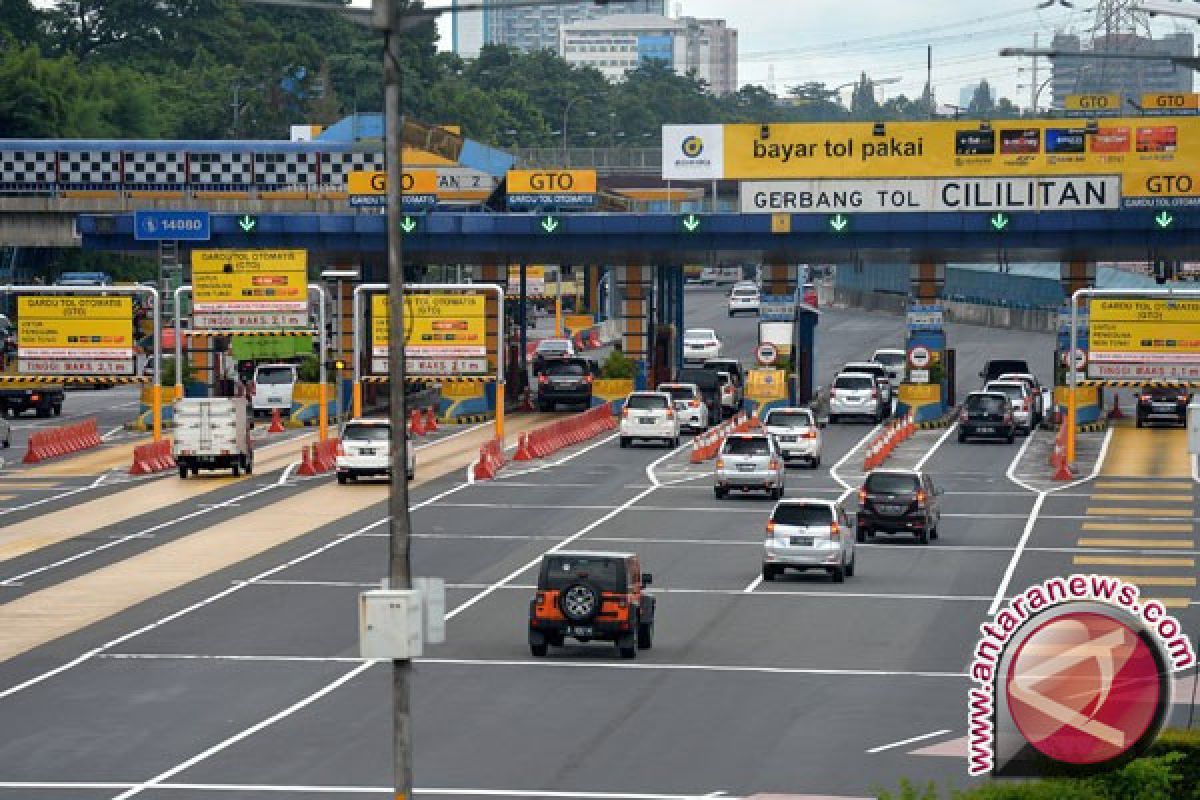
(1157, 330)
(250, 280)
(57, 326)
(435, 325)
(547, 181)
(1094, 103)
(375, 183)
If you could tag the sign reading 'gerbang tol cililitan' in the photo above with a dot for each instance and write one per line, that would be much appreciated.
(932, 195)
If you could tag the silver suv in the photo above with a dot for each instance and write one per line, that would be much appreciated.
(855, 394)
(749, 462)
(809, 534)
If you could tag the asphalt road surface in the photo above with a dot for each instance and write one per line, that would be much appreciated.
(199, 639)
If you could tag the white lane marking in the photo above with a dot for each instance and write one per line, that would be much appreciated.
(1196, 468)
(577, 535)
(1011, 569)
(1011, 473)
(113, 432)
(910, 740)
(833, 471)
(551, 464)
(929, 454)
(237, 737)
(287, 473)
(200, 657)
(754, 584)
(257, 788)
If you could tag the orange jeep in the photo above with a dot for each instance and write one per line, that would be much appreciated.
(591, 595)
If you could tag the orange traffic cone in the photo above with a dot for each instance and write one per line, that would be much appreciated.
(430, 420)
(276, 422)
(1115, 412)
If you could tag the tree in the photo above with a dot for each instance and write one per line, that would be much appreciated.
(20, 22)
(863, 105)
(983, 100)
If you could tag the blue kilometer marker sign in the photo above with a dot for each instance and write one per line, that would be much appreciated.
(157, 226)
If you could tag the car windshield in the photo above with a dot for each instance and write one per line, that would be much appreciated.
(747, 446)
(700, 335)
(745, 292)
(552, 346)
(367, 433)
(1169, 392)
(724, 378)
(565, 368)
(870, 369)
(1015, 391)
(562, 571)
(986, 404)
(679, 392)
(802, 516)
(646, 402)
(891, 483)
(854, 382)
(790, 419)
(889, 359)
(275, 375)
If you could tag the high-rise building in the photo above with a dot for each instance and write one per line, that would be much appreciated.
(617, 44)
(535, 27)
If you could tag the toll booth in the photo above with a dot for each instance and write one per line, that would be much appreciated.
(803, 382)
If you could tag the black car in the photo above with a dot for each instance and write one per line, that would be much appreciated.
(987, 414)
(993, 369)
(710, 389)
(898, 501)
(1162, 403)
(565, 380)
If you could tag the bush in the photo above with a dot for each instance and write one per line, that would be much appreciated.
(617, 366)
(310, 370)
(168, 371)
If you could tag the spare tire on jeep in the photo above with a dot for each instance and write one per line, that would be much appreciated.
(579, 602)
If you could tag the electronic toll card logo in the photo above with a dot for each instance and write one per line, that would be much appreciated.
(692, 147)
(1075, 671)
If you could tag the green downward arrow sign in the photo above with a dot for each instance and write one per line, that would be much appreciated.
(839, 222)
(1164, 219)
(408, 224)
(550, 224)
(247, 223)
(691, 222)
(1000, 221)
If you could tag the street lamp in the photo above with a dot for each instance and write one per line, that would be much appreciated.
(566, 112)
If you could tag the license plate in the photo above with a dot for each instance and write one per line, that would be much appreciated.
(581, 630)
(887, 509)
(367, 451)
(646, 420)
(274, 399)
(1164, 406)
(802, 541)
(985, 429)
(746, 467)
(787, 438)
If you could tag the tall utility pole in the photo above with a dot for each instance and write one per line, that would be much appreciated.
(1033, 84)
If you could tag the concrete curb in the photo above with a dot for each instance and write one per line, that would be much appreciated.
(944, 421)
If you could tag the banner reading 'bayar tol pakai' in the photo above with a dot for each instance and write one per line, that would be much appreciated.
(65, 335)
(444, 334)
(1155, 157)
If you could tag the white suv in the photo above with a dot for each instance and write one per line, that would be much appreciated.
(366, 449)
(855, 394)
(744, 298)
(700, 344)
(649, 415)
(796, 432)
(689, 405)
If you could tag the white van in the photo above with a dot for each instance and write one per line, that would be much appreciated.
(273, 386)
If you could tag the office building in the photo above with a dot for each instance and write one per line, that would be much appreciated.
(533, 28)
(617, 44)
(1128, 78)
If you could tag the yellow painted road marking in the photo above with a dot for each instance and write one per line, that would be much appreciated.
(1136, 561)
(1172, 602)
(1157, 580)
(1141, 512)
(1164, 498)
(7, 497)
(1143, 485)
(15, 484)
(1156, 527)
(1175, 544)
(1147, 453)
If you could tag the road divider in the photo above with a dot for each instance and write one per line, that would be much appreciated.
(152, 457)
(707, 445)
(319, 457)
(422, 422)
(491, 460)
(881, 446)
(62, 441)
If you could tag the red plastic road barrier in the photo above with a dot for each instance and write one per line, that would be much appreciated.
(430, 420)
(152, 457)
(62, 440)
(1058, 458)
(594, 339)
(319, 457)
(276, 422)
(416, 423)
(491, 459)
(572, 430)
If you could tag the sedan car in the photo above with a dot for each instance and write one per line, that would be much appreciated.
(808, 534)
(749, 462)
(700, 344)
(649, 415)
(689, 405)
(1162, 404)
(898, 501)
(988, 415)
(744, 299)
(797, 434)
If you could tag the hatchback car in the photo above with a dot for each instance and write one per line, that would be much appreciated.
(808, 534)
(649, 415)
(855, 394)
(1021, 399)
(796, 432)
(744, 299)
(749, 462)
(689, 405)
(895, 362)
(366, 450)
(898, 501)
(988, 415)
(1162, 404)
(700, 344)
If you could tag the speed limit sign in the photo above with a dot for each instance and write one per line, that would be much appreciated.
(919, 357)
(766, 354)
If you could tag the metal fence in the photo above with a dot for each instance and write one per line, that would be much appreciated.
(605, 160)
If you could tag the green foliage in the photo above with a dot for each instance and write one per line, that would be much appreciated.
(310, 369)
(617, 366)
(168, 371)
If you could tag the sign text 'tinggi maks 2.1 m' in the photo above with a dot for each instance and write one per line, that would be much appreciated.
(974, 166)
(444, 334)
(1144, 338)
(74, 335)
(249, 289)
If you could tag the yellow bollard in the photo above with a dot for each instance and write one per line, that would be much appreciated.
(356, 399)
(500, 411)
(558, 319)
(322, 416)
(156, 405)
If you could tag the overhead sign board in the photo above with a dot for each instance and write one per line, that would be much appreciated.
(693, 152)
(75, 335)
(932, 195)
(444, 334)
(1143, 337)
(181, 226)
(547, 187)
(535, 280)
(249, 280)
(418, 189)
(1092, 105)
(926, 318)
(1171, 103)
(777, 307)
(249, 320)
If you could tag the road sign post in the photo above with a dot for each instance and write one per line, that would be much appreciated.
(155, 298)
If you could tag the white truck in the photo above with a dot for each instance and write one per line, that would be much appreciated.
(273, 387)
(212, 433)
